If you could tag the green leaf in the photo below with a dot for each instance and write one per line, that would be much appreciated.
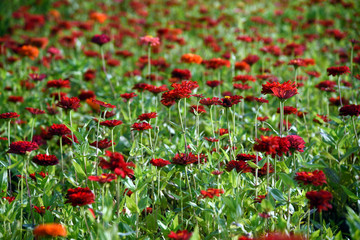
(277, 195)
(131, 204)
(195, 235)
(349, 193)
(252, 164)
(328, 156)
(287, 180)
(78, 169)
(266, 205)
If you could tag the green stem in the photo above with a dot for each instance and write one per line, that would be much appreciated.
(355, 132)
(112, 140)
(28, 189)
(87, 226)
(339, 86)
(308, 225)
(9, 160)
(105, 72)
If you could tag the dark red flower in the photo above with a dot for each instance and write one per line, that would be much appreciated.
(251, 59)
(213, 83)
(211, 193)
(111, 123)
(246, 157)
(262, 119)
(182, 74)
(259, 198)
(210, 101)
(9, 199)
(103, 178)
(273, 145)
(185, 159)
(15, 99)
(103, 144)
(296, 143)
(261, 100)
(180, 235)
(140, 87)
(216, 63)
(350, 110)
(217, 172)
(22, 147)
(127, 96)
(37, 77)
(319, 199)
(223, 131)
(147, 116)
(84, 94)
(182, 90)
(141, 126)
(288, 110)
(156, 90)
(321, 119)
(101, 103)
(159, 162)
(100, 39)
(59, 129)
(281, 90)
(242, 86)
(211, 139)
(45, 160)
(58, 84)
(337, 71)
(9, 115)
(326, 86)
(316, 178)
(80, 196)
(35, 111)
(117, 164)
(198, 109)
(239, 166)
(69, 103)
(244, 78)
(41, 210)
(229, 101)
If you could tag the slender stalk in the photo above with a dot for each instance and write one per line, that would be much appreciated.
(228, 125)
(267, 176)
(9, 159)
(87, 226)
(149, 61)
(321, 225)
(288, 207)
(72, 133)
(97, 143)
(112, 139)
(181, 201)
(182, 125)
(137, 215)
(141, 147)
(28, 189)
(62, 158)
(187, 180)
(118, 195)
(104, 69)
(308, 225)
(281, 117)
(355, 132)
(32, 129)
(339, 86)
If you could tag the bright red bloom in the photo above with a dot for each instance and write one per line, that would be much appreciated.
(22, 147)
(180, 235)
(273, 145)
(350, 110)
(217, 172)
(58, 84)
(100, 39)
(41, 210)
(321, 119)
(261, 100)
(9, 115)
(182, 90)
(239, 166)
(223, 131)
(319, 199)
(337, 71)
(246, 157)
(147, 116)
(288, 110)
(296, 143)
(111, 123)
(211, 192)
(214, 83)
(326, 86)
(141, 126)
(150, 40)
(101, 103)
(229, 101)
(191, 58)
(159, 162)
(242, 86)
(59, 129)
(80, 196)
(281, 90)
(259, 198)
(9, 199)
(103, 178)
(182, 74)
(103, 144)
(197, 109)
(45, 160)
(216, 63)
(211, 139)
(35, 111)
(262, 119)
(185, 159)
(69, 103)
(316, 178)
(117, 164)
(210, 101)
(156, 90)
(86, 94)
(16, 99)
(251, 59)
(299, 62)
(127, 96)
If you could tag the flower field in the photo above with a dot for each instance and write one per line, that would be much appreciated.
(171, 119)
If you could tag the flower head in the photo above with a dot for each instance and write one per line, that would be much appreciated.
(69, 103)
(350, 110)
(319, 199)
(281, 90)
(316, 178)
(59, 129)
(150, 40)
(191, 58)
(159, 162)
(22, 147)
(180, 235)
(147, 116)
(141, 126)
(117, 164)
(337, 71)
(35, 111)
(103, 144)
(45, 160)
(103, 178)
(100, 39)
(80, 196)
(9, 115)
(50, 230)
(211, 192)
(111, 123)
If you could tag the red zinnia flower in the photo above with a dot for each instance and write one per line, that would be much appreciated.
(182, 74)
(111, 123)
(159, 162)
(150, 40)
(211, 139)
(15, 99)
(240, 166)
(22, 147)
(288, 110)
(84, 94)
(259, 198)
(45, 160)
(198, 109)
(101, 103)
(316, 178)
(104, 178)
(127, 96)
(80, 196)
(100, 39)
(141, 126)
(241, 86)
(337, 71)
(35, 111)
(41, 210)
(180, 235)
(319, 199)
(213, 83)
(273, 145)
(299, 62)
(223, 131)
(296, 143)
(326, 86)
(58, 84)
(9, 115)
(37, 77)
(281, 90)
(210, 101)
(69, 103)
(229, 101)
(185, 159)
(191, 58)
(59, 129)
(211, 192)
(350, 110)
(117, 164)
(103, 144)
(147, 116)
(244, 78)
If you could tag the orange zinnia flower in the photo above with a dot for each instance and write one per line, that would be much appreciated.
(191, 58)
(29, 51)
(98, 17)
(50, 230)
